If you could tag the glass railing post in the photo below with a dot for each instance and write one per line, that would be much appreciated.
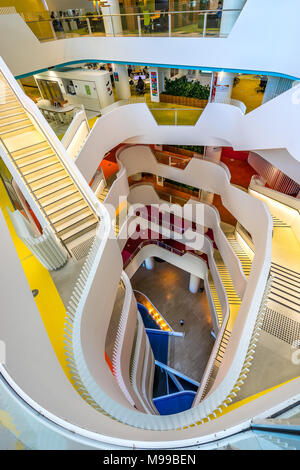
(139, 26)
(170, 24)
(53, 30)
(89, 26)
(112, 23)
(204, 24)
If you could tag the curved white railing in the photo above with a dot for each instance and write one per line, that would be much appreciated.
(42, 125)
(46, 247)
(76, 134)
(211, 219)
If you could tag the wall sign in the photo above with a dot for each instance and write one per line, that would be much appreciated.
(154, 84)
(116, 76)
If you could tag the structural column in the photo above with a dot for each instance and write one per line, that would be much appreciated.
(194, 283)
(149, 263)
(229, 17)
(121, 81)
(213, 153)
(222, 88)
(275, 86)
(112, 24)
(157, 79)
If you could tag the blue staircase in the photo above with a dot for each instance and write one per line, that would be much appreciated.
(173, 392)
(174, 403)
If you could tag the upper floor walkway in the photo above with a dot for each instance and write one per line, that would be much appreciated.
(257, 43)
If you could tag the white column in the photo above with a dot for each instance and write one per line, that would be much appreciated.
(112, 25)
(149, 263)
(213, 153)
(194, 283)
(229, 17)
(156, 76)
(275, 86)
(223, 87)
(137, 177)
(121, 81)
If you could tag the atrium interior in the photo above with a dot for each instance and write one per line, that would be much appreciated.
(149, 225)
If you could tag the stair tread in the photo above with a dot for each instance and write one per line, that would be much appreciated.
(12, 115)
(17, 121)
(65, 204)
(16, 129)
(68, 212)
(4, 110)
(41, 177)
(34, 160)
(50, 182)
(26, 147)
(69, 234)
(61, 226)
(49, 191)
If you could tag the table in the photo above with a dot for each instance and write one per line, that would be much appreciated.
(59, 113)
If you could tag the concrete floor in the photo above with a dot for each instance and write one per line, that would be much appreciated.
(114, 321)
(66, 277)
(167, 287)
(272, 365)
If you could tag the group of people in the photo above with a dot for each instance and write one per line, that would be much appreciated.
(140, 86)
(64, 16)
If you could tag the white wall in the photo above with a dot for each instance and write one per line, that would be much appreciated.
(254, 27)
(272, 127)
(146, 194)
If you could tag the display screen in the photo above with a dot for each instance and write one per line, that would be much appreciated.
(136, 77)
(162, 5)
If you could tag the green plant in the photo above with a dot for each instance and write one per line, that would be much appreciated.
(182, 87)
(193, 148)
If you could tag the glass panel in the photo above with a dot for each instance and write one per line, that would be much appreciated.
(97, 25)
(213, 24)
(154, 24)
(171, 117)
(70, 27)
(164, 117)
(187, 24)
(188, 117)
(42, 30)
(129, 25)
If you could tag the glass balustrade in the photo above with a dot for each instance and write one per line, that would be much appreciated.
(131, 21)
(176, 117)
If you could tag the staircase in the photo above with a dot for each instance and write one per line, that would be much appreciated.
(233, 298)
(43, 172)
(278, 222)
(246, 262)
(285, 288)
(218, 359)
(215, 298)
(103, 194)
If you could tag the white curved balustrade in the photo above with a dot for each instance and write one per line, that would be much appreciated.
(46, 248)
(76, 134)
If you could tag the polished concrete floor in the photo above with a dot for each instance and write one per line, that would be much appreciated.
(167, 287)
(66, 278)
(272, 365)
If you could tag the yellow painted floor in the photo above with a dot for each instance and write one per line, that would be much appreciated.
(246, 91)
(286, 248)
(48, 300)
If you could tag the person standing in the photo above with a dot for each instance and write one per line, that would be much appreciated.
(219, 13)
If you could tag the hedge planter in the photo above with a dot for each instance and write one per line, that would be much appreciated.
(183, 100)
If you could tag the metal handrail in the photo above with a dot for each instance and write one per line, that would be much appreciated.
(103, 15)
(56, 152)
(33, 194)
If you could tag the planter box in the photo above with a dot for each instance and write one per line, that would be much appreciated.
(183, 100)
